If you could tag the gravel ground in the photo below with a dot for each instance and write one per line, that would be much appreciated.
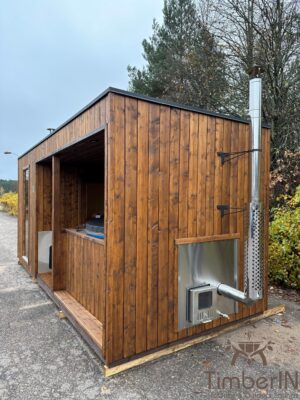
(42, 357)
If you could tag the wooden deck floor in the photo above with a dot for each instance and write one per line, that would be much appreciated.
(47, 278)
(92, 327)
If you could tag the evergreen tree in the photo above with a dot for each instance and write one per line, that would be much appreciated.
(8, 186)
(183, 61)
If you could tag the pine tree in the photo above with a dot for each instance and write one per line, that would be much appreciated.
(183, 62)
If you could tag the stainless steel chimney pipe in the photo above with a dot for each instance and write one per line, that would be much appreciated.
(254, 242)
(253, 264)
(255, 89)
(234, 294)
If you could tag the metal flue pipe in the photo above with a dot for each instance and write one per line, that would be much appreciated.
(253, 264)
(254, 241)
(255, 93)
(234, 294)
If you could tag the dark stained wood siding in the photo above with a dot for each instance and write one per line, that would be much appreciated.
(163, 181)
(44, 194)
(92, 119)
(176, 182)
(130, 254)
(58, 270)
(142, 227)
(85, 272)
(115, 228)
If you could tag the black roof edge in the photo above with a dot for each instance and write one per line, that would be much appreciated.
(146, 98)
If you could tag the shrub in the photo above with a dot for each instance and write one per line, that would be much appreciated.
(285, 178)
(284, 245)
(9, 201)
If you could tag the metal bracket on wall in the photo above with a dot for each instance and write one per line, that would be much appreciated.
(228, 156)
(225, 207)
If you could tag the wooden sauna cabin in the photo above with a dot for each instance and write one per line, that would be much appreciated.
(153, 170)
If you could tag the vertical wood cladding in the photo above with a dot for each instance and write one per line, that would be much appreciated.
(85, 272)
(90, 120)
(163, 181)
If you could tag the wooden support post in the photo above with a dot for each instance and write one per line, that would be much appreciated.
(38, 217)
(57, 266)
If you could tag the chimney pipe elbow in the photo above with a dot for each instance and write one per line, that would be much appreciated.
(234, 294)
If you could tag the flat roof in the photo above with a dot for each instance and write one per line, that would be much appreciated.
(150, 99)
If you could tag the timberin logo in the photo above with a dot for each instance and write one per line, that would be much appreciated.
(249, 350)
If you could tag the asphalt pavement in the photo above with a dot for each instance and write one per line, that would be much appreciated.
(43, 357)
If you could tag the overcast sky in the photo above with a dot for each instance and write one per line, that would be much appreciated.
(56, 56)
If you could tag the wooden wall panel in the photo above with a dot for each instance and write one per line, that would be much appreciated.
(96, 117)
(142, 227)
(71, 192)
(32, 249)
(130, 240)
(184, 150)
(201, 179)
(173, 221)
(43, 205)
(218, 171)
(85, 272)
(115, 229)
(58, 270)
(179, 183)
(218, 186)
(225, 190)
(209, 183)
(163, 226)
(153, 215)
(193, 180)
(47, 198)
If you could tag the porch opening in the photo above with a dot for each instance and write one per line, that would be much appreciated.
(71, 198)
